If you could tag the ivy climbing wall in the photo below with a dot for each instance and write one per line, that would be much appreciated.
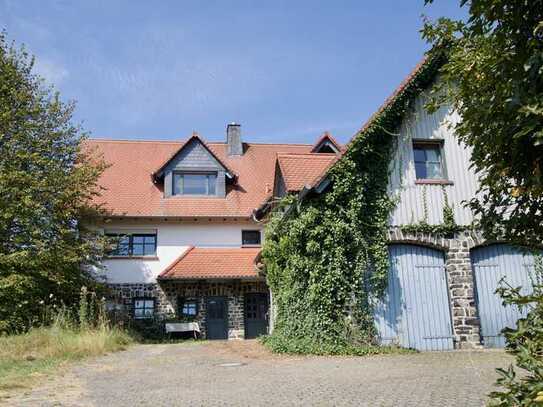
(325, 255)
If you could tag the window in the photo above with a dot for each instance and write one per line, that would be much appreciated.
(188, 307)
(143, 245)
(127, 245)
(144, 308)
(194, 184)
(428, 160)
(250, 237)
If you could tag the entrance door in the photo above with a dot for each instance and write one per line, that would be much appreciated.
(256, 315)
(490, 265)
(415, 311)
(217, 318)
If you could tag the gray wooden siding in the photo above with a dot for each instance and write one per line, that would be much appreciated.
(415, 310)
(490, 265)
(417, 202)
(195, 157)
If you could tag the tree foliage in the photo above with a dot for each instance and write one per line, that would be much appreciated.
(47, 182)
(494, 79)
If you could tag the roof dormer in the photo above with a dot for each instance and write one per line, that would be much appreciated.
(194, 171)
(326, 144)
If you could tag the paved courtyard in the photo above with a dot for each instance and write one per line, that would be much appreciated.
(243, 373)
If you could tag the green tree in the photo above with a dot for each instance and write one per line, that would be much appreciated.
(494, 79)
(47, 182)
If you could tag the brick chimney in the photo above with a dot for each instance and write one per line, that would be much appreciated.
(233, 139)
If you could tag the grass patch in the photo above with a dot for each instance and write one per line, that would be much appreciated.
(25, 357)
(302, 346)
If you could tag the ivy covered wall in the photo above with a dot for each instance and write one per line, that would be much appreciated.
(326, 254)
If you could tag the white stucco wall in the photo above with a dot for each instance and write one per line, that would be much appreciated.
(173, 238)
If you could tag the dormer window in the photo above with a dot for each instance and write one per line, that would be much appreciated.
(326, 144)
(185, 183)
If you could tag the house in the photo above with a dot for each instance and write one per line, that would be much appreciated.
(187, 218)
(181, 216)
(441, 285)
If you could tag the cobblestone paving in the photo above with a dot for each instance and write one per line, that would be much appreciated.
(243, 373)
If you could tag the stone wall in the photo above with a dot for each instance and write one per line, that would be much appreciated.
(460, 279)
(167, 293)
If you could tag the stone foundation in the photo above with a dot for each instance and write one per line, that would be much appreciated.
(167, 293)
(460, 279)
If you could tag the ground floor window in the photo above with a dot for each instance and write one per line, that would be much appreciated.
(188, 307)
(144, 308)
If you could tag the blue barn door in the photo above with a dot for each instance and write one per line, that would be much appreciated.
(415, 311)
(490, 265)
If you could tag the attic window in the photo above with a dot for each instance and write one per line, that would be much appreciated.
(326, 148)
(194, 183)
(428, 160)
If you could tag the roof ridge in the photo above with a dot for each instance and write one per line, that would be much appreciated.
(181, 141)
(313, 155)
(109, 140)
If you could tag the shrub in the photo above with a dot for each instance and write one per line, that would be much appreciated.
(525, 342)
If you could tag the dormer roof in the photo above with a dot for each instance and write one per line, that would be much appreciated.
(326, 144)
(159, 172)
(299, 170)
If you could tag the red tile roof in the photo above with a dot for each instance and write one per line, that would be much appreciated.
(129, 189)
(299, 170)
(213, 263)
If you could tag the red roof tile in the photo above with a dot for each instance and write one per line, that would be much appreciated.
(129, 189)
(299, 170)
(213, 263)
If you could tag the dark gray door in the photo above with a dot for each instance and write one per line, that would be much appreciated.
(256, 315)
(217, 318)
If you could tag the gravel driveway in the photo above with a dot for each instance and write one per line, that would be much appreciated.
(243, 373)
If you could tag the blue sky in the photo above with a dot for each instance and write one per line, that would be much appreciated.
(285, 70)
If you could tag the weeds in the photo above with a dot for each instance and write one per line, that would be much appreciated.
(69, 336)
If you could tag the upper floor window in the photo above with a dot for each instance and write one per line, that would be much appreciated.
(250, 237)
(428, 160)
(194, 183)
(127, 245)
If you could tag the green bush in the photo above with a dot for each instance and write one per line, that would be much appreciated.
(526, 344)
